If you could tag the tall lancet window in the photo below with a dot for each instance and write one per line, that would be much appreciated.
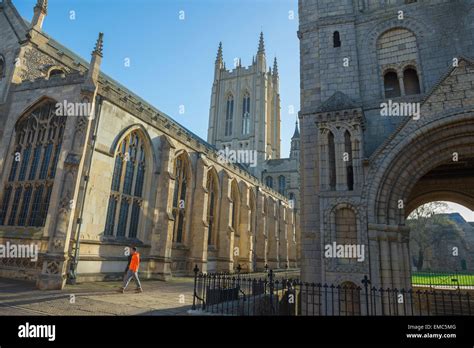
(211, 186)
(348, 160)
(332, 161)
(411, 81)
(391, 85)
(26, 195)
(336, 39)
(281, 184)
(229, 115)
(246, 114)
(179, 198)
(126, 200)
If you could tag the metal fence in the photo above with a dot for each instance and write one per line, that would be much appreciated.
(443, 279)
(238, 295)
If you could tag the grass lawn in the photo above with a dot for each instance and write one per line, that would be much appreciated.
(421, 278)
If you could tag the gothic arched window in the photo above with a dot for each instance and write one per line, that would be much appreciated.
(269, 181)
(246, 114)
(391, 85)
(331, 161)
(2, 67)
(336, 39)
(281, 184)
(27, 193)
(229, 115)
(348, 160)
(179, 197)
(212, 189)
(411, 81)
(125, 202)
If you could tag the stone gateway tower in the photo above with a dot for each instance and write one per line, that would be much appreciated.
(387, 115)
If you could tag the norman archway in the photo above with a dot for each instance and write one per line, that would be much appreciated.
(424, 160)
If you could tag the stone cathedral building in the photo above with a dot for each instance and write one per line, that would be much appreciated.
(244, 117)
(113, 171)
(363, 169)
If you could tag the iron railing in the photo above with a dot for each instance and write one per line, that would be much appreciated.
(235, 294)
(443, 279)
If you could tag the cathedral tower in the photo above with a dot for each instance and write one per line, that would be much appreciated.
(245, 108)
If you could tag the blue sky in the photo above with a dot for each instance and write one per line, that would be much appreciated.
(172, 60)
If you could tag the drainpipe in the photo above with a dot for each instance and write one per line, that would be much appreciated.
(72, 273)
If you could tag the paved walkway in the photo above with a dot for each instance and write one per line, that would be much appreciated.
(173, 297)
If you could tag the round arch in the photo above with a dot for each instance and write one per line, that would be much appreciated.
(414, 152)
(458, 197)
(55, 71)
(415, 25)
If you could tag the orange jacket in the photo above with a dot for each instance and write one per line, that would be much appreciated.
(135, 262)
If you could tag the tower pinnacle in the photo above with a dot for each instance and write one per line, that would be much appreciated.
(96, 60)
(39, 13)
(42, 5)
(261, 60)
(275, 67)
(261, 45)
(295, 142)
(99, 45)
(296, 134)
(219, 57)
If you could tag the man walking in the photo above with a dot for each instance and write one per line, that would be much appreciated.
(132, 271)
